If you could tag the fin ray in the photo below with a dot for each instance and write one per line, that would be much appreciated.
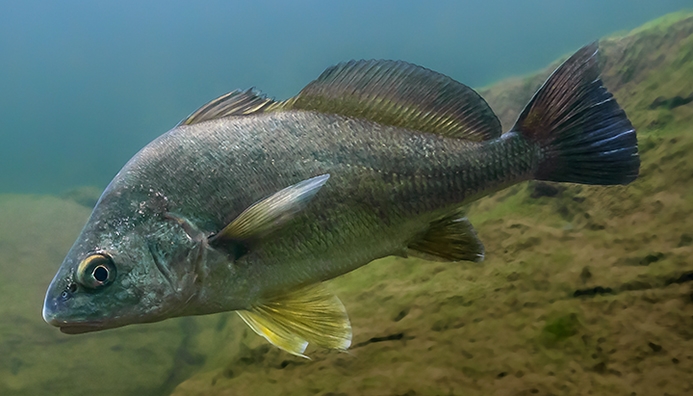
(449, 239)
(584, 135)
(269, 214)
(307, 315)
(400, 94)
(236, 103)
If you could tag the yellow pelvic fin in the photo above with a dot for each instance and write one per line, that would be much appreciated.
(293, 320)
(449, 239)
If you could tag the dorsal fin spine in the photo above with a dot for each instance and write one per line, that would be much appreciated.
(235, 103)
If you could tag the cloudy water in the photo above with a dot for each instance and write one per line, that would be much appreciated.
(583, 290)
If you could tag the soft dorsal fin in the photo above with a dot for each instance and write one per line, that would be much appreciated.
(400, 94)
(293, 320)
(236, 103)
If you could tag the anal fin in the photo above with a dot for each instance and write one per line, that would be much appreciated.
(449, 239)
(307, 315)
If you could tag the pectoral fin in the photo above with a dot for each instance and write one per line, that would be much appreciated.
(449, 239)
(293, 320)
(267, 215)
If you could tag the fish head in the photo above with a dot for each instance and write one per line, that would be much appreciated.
(129, 265)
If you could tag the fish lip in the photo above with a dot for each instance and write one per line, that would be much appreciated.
(68, 327)
(78, 328)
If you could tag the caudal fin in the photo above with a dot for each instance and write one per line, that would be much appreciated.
(584, 135)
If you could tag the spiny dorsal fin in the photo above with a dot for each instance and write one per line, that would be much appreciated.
(400, 94)
(293, 320)
(449, 239)
(266, 216)
(236, 103)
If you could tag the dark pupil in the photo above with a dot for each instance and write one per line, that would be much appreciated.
(100, 273)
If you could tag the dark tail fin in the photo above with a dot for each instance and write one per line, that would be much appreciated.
(585, 137)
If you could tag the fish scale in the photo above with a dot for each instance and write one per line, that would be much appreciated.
(458, 161)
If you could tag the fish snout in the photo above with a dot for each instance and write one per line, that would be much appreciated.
(55, 305)
(50, 310)
(52, 306)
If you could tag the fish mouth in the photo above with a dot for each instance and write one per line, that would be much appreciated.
(69, 327)
(79, 328)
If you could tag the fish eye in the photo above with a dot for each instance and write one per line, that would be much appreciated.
(96, 270)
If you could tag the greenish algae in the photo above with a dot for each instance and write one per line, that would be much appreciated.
(561, 328)
(663, 23)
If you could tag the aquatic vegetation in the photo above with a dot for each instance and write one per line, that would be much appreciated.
(561, 328)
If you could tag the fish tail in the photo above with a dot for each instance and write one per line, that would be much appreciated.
(583, 134)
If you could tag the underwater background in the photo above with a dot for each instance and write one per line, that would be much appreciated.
(585, 290)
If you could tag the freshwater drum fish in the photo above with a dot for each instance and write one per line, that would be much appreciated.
(249, 204)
